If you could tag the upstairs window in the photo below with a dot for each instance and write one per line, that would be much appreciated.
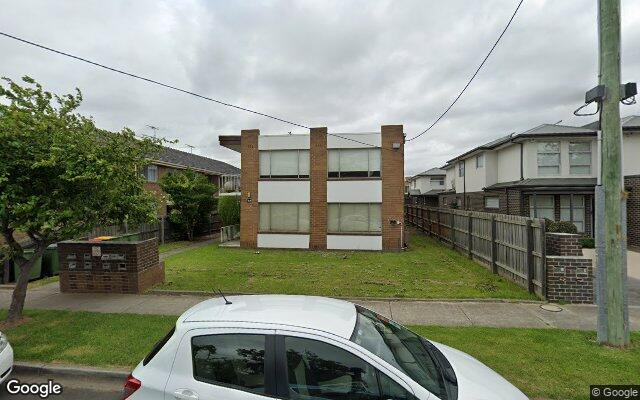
(293, 164)
(548, 158)
(461, 169)
(437, 181)
(480, 161)
(354, 163)
(150, 172)
(580, 158)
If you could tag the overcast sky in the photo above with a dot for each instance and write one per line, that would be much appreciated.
(348, 65)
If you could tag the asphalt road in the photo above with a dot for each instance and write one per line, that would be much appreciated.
(73, 388)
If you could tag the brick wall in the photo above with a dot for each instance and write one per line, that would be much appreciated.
(109, 267)
(563, 244)
(569, 274)
(318, 183)
(569, 279)
(632, 185)
(249, 207)
(392, 186)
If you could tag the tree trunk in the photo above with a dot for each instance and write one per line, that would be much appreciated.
(20, 291)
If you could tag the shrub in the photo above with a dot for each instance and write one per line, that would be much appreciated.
(229, 210)
(560, 226)
(588, 243)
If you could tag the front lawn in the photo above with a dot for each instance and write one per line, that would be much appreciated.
(163, 248)
(427, 270)
(544, 363)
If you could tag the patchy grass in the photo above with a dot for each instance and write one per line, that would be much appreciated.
(43, 281)
(163, 248)
(83, 338)
(427, 270)
(545, 363)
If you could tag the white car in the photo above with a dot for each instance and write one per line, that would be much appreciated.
(6, 358)
(300, 347)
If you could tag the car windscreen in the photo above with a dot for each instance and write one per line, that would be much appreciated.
(158, 346)
(401, 348)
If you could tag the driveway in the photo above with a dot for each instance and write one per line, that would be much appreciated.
(633, 273)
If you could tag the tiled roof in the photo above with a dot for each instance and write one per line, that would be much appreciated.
(628, 122)
(432, 172)
(546, 182)
(189, 160)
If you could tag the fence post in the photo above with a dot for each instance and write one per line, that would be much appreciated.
(494, 246)
(438, 224)
(529, 256)
(470, 234)
(161, 223)
(543, 257)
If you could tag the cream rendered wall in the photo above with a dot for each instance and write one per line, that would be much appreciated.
(450, 177)
(508, 163)
(283, 191)
(475, 178)
(355, 242)
(283, 142)
(491, 167)
(631, 154)
(283, 241)
(352, 191)
(531, 158)
(424, 184)
(371, 139)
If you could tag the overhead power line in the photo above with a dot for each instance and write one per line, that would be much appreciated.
(132, 75)
(472, 76)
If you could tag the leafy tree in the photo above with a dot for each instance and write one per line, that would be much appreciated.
(60, 175)
(229, 210)
(192, 198)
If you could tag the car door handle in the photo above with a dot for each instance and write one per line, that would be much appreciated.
(185, 394)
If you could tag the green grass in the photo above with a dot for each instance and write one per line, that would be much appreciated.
(544, 363)
(427, 270)
(43, 281)
(163, 248)
(83, 338)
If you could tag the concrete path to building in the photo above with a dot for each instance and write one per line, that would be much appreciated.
(633, 273)
(445, 313)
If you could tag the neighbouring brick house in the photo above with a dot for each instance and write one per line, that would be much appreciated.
(549, 171)
(218, 172)
(321, 191)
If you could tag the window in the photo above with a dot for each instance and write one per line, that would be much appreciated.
(284, 217)
(406, 351)
(480, 161)
(437, 181)
(235, 360)
(284, 164)
(572, 210)
(461, 169)
(542, 207)
(580, 158)
(354, 163)
(354, 218)
(492, 202)
(318, 370)
(150, 173)
(548, 158)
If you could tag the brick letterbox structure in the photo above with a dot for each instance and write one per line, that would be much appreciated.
(569, 273)
(109, 266)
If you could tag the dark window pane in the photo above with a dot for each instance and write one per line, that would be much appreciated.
(334, 174)
(318, 370)
(158, 346)
(354, 174)
(231, 360)
(391, 390)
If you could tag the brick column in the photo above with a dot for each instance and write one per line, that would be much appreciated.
(250, 170)
(392, 186)
(318, 197)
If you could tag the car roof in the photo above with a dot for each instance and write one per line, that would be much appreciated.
(320, 313)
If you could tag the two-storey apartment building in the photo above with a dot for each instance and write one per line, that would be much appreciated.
(546, 172)
(425, 187)
(321, 191)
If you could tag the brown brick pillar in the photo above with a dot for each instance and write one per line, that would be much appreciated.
(392, 186)
(250, 170)
(318, 196)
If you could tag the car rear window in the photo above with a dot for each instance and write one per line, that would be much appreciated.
(159, 345)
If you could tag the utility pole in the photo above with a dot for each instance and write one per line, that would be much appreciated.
(613, 325)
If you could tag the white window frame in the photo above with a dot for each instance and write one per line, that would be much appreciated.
(480, 161)
(486, 203)
(534, 206)
(340, 231)
(437, 181)
(370, 173)
(269, 229)
(574, 208)
(296, 175)
(538, 153)
(151, 167)
(571, 164)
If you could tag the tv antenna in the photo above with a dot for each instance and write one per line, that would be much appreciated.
(154, 129)
(190, 147)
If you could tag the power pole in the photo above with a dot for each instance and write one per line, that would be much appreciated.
(613, 325)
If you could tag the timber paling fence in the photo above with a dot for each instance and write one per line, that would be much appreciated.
(510, 245)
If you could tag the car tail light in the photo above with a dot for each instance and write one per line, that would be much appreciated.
(130, 386)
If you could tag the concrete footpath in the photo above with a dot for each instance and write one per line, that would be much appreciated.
(446, 313)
